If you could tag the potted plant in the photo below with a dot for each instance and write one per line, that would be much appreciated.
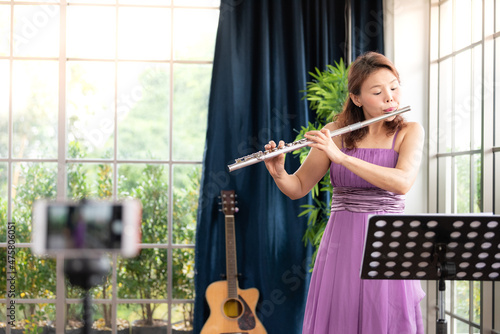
(326, 94)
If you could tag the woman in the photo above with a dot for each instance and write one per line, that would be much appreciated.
(371, 169)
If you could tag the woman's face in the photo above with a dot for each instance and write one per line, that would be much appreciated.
(379, 93)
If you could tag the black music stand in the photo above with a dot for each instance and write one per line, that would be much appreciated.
(433, 247)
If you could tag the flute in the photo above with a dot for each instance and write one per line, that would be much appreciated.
(289, 147)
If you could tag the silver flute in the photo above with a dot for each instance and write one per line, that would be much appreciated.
(289, 147)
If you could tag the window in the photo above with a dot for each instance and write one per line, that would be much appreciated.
(104, 100)
(464, 144)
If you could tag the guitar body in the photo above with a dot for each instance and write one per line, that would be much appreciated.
(230, 316)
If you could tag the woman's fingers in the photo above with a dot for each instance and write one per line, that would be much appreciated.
(271, 145)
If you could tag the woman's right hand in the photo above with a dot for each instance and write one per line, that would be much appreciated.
(275, 165)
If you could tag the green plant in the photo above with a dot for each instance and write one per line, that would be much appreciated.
(326, 93)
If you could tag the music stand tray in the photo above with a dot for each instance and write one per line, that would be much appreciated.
(432, 247)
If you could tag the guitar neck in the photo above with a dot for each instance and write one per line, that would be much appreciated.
(229, 208)
(231, 267)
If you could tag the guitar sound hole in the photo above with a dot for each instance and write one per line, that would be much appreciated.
(233, 308)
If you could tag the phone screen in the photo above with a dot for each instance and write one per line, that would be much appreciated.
(87, 226)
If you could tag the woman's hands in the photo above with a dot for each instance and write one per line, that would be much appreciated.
(322, 140)
(276, 165)
(311, 171)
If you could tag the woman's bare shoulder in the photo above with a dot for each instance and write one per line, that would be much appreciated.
(411, 132)
(413, 128)
(332, 126)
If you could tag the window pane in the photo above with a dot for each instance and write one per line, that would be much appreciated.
(90, 108)
(476, 300)
(36, 276)
(3, 281)
(93, 181)
(4, 106)
(195, 42)
(445, 106)
(157, 314)
(148, 183)
(143, 111)
(4, 30)
(191, 90)
(494, 9)
(74, 322)
(51, 1)
(496, 304)
(35, 108)
(478, 189)
(183, 273)
(145, 2)
(460, 326)
(186, 191)
(434, 32)
(3, 204)
(36, 31)
(445, 27)
(462, 184)
(31, 181)
(27, 314)
(463, 102)
(477, 84)
(461, 296)
(497, 92)
(477, 20)
(182, 317)
(111, 2)
(462, 24)
(143, 277)
(445, 185)
(91, 32)
(138, 33)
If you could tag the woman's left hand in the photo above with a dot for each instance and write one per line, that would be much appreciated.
(322, 140)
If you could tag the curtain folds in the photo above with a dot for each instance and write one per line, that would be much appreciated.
(264, 51)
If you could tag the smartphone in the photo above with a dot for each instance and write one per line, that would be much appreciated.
(87, 228)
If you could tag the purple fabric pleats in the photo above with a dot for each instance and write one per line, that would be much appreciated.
(339, 302)
(366, 200)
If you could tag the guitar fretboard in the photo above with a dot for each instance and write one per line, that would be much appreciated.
(231, 270)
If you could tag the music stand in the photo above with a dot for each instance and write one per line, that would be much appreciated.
(432, 247)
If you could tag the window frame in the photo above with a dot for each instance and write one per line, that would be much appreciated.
(62, 160)
(441, 197)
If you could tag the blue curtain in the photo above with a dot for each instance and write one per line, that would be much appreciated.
(367, 27)
(264, 51)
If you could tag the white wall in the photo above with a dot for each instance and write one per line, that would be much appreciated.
(406, 44)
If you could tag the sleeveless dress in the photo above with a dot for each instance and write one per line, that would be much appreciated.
(339, 302)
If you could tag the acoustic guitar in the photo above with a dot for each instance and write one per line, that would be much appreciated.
(232, 310)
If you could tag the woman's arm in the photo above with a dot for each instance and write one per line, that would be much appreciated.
(300, 183)
(399, 179)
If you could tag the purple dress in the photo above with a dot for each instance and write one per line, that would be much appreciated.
(339, 302)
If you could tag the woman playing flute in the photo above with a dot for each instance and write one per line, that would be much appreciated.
(371, 170)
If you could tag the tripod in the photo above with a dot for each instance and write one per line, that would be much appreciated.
(433, 247)
(86, 273)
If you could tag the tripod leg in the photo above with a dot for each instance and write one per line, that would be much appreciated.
(441, 325)
(87, 313)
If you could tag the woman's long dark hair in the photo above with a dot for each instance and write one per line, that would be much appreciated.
(359, 71)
